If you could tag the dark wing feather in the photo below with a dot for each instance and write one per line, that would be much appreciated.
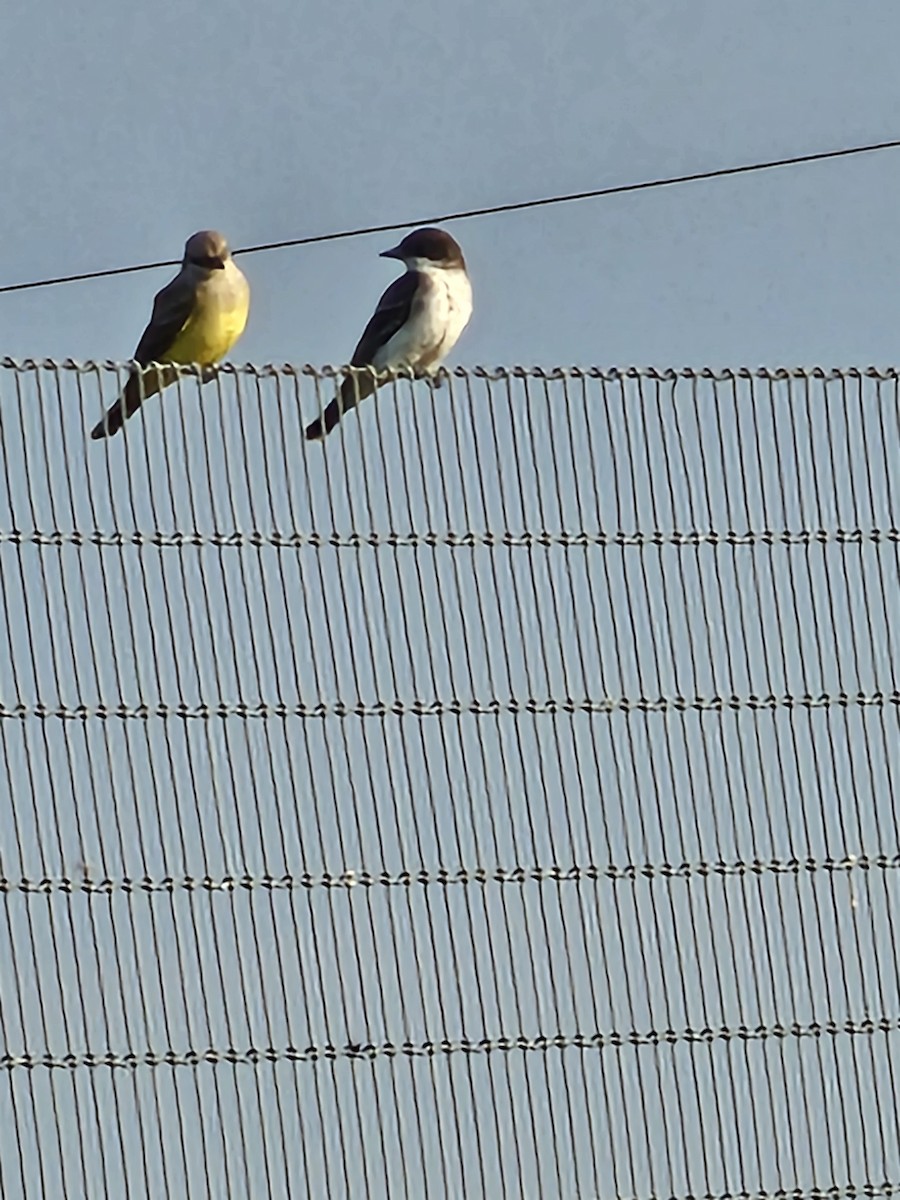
(171, 309)
(390, 315)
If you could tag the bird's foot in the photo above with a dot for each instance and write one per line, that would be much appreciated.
(434, 381)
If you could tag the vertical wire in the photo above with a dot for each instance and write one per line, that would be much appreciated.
(567, 555)
(556, 631)
(517, 488)
(817, 516)
(73, 663)
(280, 696)
(5, 1036)
(241, 406)
(717, 720)
(490, 799)
(353, 799)
(450, 790)
(706, 508)
(480, 851)
(118, 837)
(593, 494)
(862, 720)
(738, 481)
(495, 450)
(842, 551)
(616, 755)
(230, 488)
(404, 742)
(109, 608)
(228, 1011)
(52, 920)
(319, 690)
(316, 638)
(818, 769)
(761, 447)
(746, 459)
(398, 817)
(876, 551)
(27, 908)
(370, 642)
(194, 774)
(882, 838)
(630, 439)
(447, 661)
(475, 426)
(668, 473)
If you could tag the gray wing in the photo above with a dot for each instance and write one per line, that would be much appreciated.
(171, 310)
(391, 314)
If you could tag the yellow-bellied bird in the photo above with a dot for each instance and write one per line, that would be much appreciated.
(197, 318)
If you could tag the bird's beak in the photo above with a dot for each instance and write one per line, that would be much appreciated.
(219, 264)
(394, 252)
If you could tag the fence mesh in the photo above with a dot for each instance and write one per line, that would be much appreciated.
(496, 801)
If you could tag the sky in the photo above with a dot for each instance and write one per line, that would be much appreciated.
(125, 130)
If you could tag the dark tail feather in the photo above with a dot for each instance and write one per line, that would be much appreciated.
(322, 426)
(110, 423)
(352, 391)
(135, 392)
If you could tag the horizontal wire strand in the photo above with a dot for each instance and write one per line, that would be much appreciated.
(449, 877)
(507, 1043)
(512, 705)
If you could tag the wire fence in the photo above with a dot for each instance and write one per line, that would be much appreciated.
(496, 800)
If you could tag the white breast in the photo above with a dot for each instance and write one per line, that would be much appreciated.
(438, 317)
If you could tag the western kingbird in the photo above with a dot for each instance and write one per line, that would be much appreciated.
(416, 323)
(197, 318)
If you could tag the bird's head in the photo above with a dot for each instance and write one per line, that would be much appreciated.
(208, 249)
(428, 248)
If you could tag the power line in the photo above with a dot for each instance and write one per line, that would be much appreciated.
(491, 210)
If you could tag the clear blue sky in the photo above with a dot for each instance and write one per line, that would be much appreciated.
(125, 129)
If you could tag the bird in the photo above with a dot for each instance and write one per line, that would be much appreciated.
(416, 324)
(196, 318)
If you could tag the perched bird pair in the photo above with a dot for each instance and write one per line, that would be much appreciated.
(199, 316)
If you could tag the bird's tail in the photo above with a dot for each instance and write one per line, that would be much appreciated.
(353, 390)
(140, 387)
(111, 422)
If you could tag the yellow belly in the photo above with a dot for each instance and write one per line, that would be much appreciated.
(207, 337)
